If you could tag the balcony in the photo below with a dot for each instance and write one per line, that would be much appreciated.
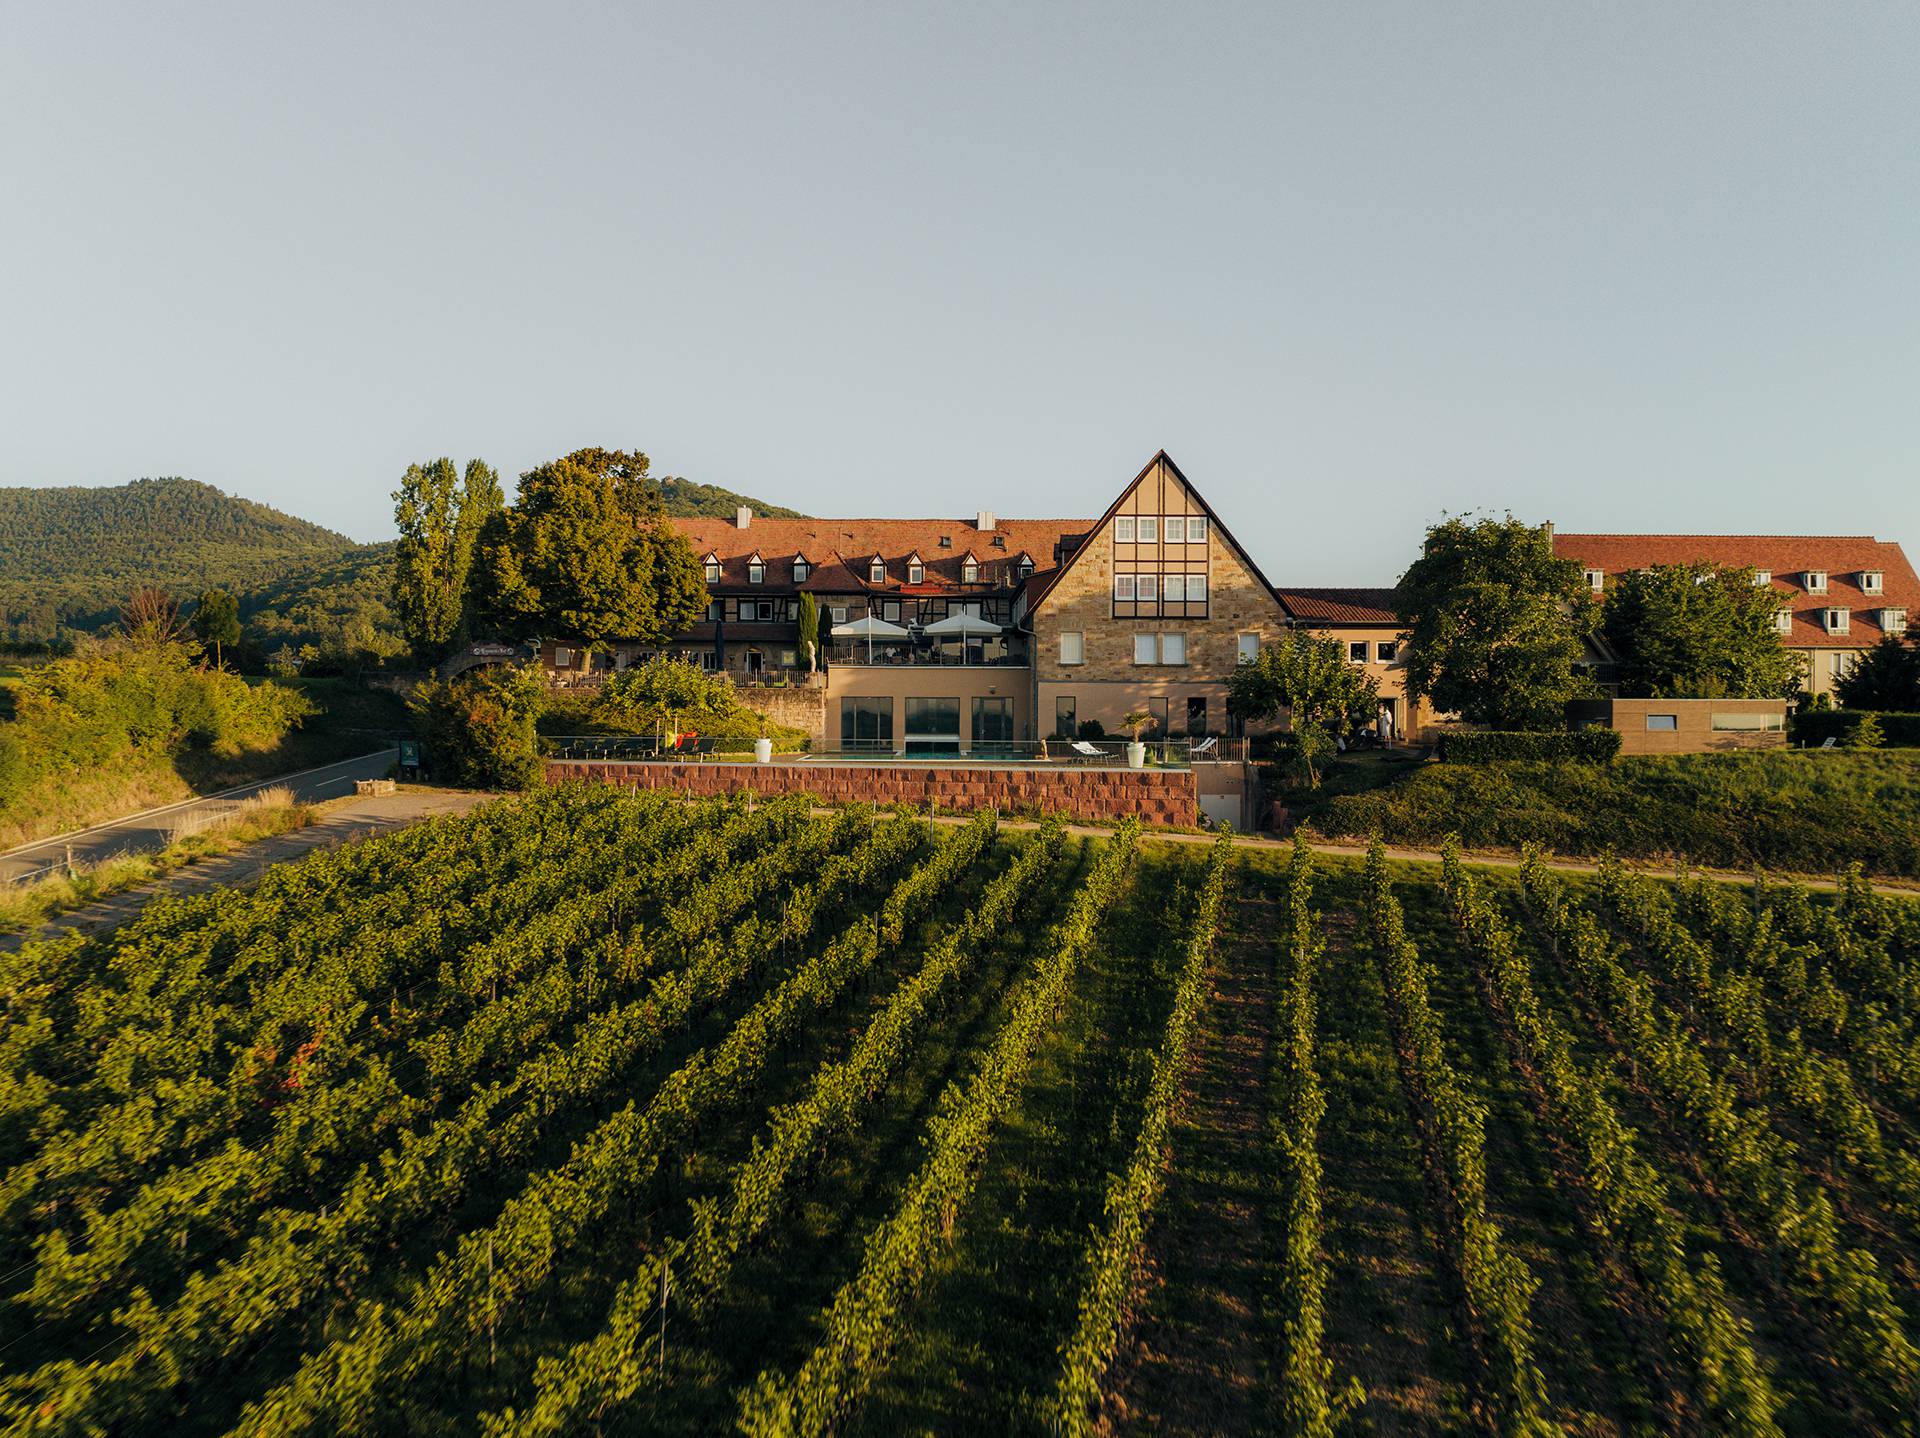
(899, 653)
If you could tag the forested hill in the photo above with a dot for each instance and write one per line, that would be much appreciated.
(689, 498)
(71, 555)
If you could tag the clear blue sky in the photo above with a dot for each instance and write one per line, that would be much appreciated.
(1623, 266)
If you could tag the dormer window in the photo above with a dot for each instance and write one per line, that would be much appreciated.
(1762, 577)
(1596, 580)
(756, 570)
(801, 569)
(916, 570)
(710, 566)
(1870, 581)
(1894, 621)
(946, 541)
(876, 570)
(1783, 621)
(1026, 566)
(1816, 581)
(1837, 620)
(970, 570)
(999, 541)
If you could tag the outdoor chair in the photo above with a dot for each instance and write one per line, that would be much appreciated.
(1205, 748)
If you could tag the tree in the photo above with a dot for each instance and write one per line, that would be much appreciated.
(216, 622)
(1308, 679)
(1886, 677)
(809, 618)
(479, 727)
(1697, 631)
(441, 516)
(151, 618)
(585, 551)
(1495, 623)
(662, 691)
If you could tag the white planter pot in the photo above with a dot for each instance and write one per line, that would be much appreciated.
(1136, 755)
(763, 751)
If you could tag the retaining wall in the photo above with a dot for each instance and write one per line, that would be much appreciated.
(1155, 796)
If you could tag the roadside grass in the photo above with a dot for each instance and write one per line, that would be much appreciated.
(272, 811)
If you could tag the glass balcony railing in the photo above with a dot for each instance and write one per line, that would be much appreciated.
(855, 654)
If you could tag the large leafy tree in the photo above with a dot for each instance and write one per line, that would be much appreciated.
(216, 622)
(1887, 677)
(1697, 631)
(441, 515)
(1308, 679)
(1495, 623)
(585, 551)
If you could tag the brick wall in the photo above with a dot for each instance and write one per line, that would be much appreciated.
(1155, 796)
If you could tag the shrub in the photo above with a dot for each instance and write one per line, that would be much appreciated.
(1590, 746)
(1816, 726)
(1867, 734)
(478, 727)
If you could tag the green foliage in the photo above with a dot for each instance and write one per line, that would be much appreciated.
(479, 726)
(1867, 734)
(216, 622)
(1815, 726)
(585, 552)
(1887, 676)
(440, 516)
(1596, 745)
(1697, 631)
(330, 619)
(688, 498)
(68, 556)
(1787, 809)
(1495, 624)
(809, 622)
(1308, 679)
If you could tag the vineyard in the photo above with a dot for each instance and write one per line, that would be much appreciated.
(594, 1112)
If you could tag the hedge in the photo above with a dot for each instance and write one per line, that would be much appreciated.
(1590, 746)
(1816, 726)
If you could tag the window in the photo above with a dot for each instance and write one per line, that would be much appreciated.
(890, 611)
(1148, 586)
(1145, 650)
(992, 721)
(1149, 529)
(839, 613)
(1196, 529)
(946, 541)
(1596, 580)
(562, 657)
(1870, 580)
(1196, 715)
(756, 610)
(916, 572)
(1173, 649)
(1841, 665)
(1894, 621)
(933, 724)
(970, 571)
(1816, 581)
(1123, 587)
(1157, 709)
(1663, 722)
(1357, 651)
(1196, 589)
(1176, 529)
(1073, 647)
(716, 611)
(877, 571)
(711, 568)
(1248, 647)
(1736, 722)
(756, 572)
(1123, 529)
(1783, 621)
(709, 661)
(1387, 650)
(1066, 717)
(1026, 568)
(1762, 576)
(756, 661)
(801, 569)
(1838, 621)
(866, 722)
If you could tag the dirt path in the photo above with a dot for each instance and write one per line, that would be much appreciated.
(340, 822)
(1198, 1363)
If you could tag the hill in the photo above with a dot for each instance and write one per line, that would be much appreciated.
(69, 556)
(689, 499)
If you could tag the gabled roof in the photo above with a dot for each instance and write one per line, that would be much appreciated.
(1044, 580)
(839, 549)
(1841, 557)
(1339, 606)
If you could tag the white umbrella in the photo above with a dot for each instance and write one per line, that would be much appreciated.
(962, 626)
(871, 629)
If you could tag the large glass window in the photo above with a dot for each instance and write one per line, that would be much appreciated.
(933, 724)
(867, 723)
(992, 723)
(1066, 716)
(1196, 715)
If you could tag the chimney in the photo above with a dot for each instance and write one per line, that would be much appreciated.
(983, 521)
(742, 517)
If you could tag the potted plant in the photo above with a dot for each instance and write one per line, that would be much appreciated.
(1135, 722)
(763, 746)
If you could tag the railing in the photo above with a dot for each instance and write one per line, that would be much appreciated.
(1061, 753)
(853, 654)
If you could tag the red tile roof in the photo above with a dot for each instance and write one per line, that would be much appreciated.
(1843, 558)
(839, 550)
(1339, 606)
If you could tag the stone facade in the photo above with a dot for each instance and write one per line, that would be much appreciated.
(1111, 680)
(800, 705)
(1154, 796)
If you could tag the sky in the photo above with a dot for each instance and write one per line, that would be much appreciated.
(1626, 267)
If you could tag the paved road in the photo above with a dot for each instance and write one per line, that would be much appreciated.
(349, 819)
(153, 829)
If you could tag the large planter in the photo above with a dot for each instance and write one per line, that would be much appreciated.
(1136, 755)
(763, 751)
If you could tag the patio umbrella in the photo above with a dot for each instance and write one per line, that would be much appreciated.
(871, 629)
(962, 626)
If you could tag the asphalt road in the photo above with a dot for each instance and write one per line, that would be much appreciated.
(153, 829)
